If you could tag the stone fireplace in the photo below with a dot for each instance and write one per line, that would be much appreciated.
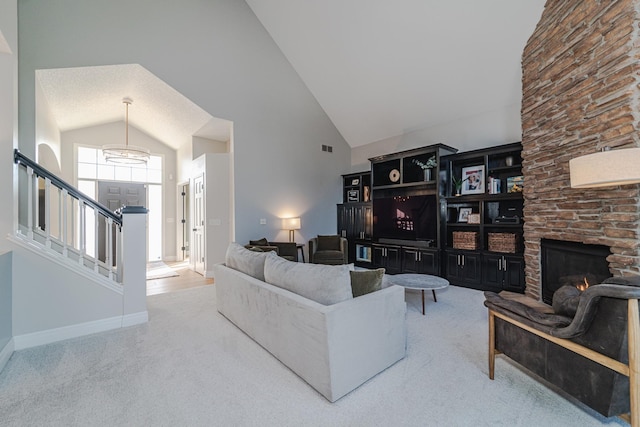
(580, 94)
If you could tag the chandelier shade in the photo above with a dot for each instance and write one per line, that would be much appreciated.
(125, 154)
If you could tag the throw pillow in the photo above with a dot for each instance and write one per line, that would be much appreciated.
(261, 242)
(366, 281)
(328, 243)
(325, 284)
(246, 261)
(565, 300)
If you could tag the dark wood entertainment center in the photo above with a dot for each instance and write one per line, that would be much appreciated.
(474, 239)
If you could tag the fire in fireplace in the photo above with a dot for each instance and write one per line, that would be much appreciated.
(571, 263)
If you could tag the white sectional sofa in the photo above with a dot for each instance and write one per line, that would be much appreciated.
(334, 347)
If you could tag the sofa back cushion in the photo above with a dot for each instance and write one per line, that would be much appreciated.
(325, 284)
(246, 261)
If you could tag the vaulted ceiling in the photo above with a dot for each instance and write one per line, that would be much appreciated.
(382, 68)
(378, 68)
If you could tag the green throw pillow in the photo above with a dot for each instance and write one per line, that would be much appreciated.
(366, 281)
(328, 243)
(261, 242)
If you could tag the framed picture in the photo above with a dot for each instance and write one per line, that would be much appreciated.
(355, 181)
(515, 184)
(353, 196)
(463, 214)
(473, 218)
(473, 180)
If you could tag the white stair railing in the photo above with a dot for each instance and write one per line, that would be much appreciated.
(64, 221)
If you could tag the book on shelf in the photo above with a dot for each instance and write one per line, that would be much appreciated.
(494, 185)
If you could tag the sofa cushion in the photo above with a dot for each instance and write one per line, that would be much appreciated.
(325, 284)
(261, 242)
(246, 261)
(328, 243)
(565, 300)
(366, 281)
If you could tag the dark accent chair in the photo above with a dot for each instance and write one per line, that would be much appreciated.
(287, 250)
(592, 355)
(331, 250)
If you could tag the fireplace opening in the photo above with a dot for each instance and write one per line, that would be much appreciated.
(571, 263)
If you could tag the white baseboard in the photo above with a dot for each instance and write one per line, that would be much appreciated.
(135, 319)
(66, 332)
(5, 353)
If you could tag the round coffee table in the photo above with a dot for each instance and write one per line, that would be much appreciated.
(421, 282)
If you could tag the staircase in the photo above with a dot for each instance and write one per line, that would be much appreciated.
(77, 268)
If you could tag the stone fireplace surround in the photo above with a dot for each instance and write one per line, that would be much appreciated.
(580, 94)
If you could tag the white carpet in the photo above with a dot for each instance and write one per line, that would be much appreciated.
(190, 366)
(159, 270)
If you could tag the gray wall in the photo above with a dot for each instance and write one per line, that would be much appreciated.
(6, 299)
(218, 55)
(468, 133)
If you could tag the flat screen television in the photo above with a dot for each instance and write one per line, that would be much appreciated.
(405, 217)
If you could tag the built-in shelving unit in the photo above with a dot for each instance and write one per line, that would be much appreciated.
(476, 240)
(482, 220)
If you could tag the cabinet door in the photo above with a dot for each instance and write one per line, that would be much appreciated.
(428, 262)
(343, 220)
(514, 274)
(453, 267)
(378, 256)
(393, 260)
(367, 221)
(410, 263)
(471, 268)
(492, 273)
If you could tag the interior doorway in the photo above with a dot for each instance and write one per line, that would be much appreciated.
(184, 228)
(198, 249)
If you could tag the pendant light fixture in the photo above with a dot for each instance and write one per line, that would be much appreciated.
(125, 154)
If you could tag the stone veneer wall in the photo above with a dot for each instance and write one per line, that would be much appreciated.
(580, 94)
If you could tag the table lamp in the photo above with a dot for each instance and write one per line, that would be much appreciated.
(291, 224)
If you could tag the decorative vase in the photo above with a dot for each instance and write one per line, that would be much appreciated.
(427, 174)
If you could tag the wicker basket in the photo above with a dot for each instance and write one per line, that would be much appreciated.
(465, 240)
(503, 242)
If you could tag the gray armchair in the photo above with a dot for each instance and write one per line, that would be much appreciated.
(330, 250)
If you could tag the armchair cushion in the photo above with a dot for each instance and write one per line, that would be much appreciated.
(260, 242)
(366, 281)
(328, 243)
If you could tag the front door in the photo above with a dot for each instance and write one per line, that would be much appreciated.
(113, 195)
(198, 252)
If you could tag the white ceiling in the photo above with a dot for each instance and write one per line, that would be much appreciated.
(378, 68)
(89, 96)
(381, 68)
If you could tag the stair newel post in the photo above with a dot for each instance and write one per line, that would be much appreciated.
(134, 264)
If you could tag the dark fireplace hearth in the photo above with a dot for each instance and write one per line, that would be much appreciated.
(571, 263)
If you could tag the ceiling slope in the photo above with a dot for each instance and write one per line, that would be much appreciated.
(383, 68)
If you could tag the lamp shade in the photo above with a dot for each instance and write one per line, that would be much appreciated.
(291, 223)
(606, 168)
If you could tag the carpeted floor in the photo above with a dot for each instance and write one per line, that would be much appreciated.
(189, 366)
